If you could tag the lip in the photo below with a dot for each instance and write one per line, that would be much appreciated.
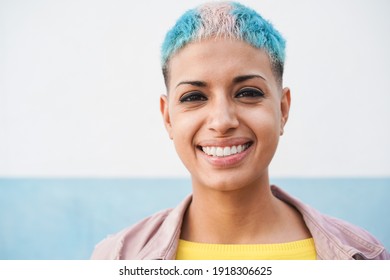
(226, 161)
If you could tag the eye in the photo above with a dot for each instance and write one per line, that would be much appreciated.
(194, 96)
(249, 93)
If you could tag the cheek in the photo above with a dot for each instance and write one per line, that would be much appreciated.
(182, 127)
(185, 126)
(265, 125)
(267, 117)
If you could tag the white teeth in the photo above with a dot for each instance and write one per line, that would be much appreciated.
(224, 151)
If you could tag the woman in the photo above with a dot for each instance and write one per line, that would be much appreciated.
(225, 110)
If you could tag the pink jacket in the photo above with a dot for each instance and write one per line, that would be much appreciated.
(157, 237)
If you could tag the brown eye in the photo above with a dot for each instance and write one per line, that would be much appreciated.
(249, 93)
(193, 97)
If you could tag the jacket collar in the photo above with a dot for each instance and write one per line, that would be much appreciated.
(326, 232)
(333, 238)
(163, 244)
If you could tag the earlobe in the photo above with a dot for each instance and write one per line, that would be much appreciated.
(165, 114)
(284, 108)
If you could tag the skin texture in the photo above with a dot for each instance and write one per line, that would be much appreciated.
(223, 93)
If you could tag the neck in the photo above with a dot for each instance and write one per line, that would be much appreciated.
(250, 215)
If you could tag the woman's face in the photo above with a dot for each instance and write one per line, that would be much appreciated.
(224, 112)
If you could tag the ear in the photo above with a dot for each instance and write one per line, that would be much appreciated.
(284, 108)
(165, 114)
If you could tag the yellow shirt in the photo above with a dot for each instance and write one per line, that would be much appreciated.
(297, 250)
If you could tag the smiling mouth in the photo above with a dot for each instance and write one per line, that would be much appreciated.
(226, 151)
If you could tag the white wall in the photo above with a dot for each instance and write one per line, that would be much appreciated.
(80, 85)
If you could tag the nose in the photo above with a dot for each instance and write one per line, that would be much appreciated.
(222, 117)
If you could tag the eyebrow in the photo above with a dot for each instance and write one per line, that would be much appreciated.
(236, 80)
(244, 78)
(193, 83)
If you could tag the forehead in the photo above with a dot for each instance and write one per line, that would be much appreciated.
(218, 59)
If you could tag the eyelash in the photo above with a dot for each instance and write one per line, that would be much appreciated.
(193, 97)
(250, 93)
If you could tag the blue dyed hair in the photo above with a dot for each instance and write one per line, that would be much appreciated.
(225, 20)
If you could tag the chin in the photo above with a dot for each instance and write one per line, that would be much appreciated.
(228, 182)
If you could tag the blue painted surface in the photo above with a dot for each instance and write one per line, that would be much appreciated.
(65, 218)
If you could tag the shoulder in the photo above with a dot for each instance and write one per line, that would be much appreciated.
(346, 231)
(335, 238)
(134, 237)
(155, 237)
(354, 240)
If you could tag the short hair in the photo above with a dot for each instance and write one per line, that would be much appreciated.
(224, 20)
